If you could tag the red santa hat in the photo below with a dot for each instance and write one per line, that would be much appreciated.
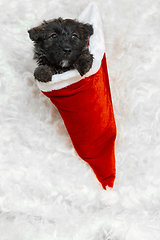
(86, 107)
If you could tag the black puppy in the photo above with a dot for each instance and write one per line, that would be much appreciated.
(61, 45)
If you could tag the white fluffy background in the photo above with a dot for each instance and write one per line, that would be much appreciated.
(46, 191)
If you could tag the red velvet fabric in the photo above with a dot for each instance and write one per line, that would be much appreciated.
(87, 111)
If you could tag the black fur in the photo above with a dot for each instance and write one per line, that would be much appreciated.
(61, 45)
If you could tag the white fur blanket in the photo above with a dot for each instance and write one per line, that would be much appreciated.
(46, 191)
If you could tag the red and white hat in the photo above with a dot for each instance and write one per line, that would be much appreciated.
(86, 107)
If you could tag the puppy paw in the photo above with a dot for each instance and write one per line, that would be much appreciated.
(43, 73)
(84, 63)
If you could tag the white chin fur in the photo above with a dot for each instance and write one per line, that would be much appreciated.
(64, 63)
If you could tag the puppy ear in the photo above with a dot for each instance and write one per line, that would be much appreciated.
(33, 34)
(88, 29)
(37, 32)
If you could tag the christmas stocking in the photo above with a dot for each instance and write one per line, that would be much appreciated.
(86, 107)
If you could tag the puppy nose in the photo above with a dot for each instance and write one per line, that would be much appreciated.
(67, 50)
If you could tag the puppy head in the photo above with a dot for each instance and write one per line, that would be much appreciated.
(60, 42)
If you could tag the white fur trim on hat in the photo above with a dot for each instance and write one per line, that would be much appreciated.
(96, 47)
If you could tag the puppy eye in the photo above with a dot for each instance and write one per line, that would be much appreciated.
(74, 36)
(54, 35)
